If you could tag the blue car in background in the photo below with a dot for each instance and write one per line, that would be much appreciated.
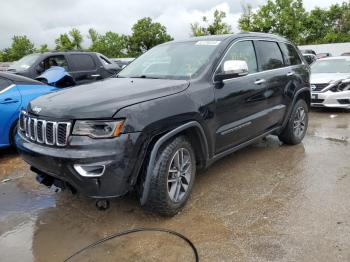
(17, 91)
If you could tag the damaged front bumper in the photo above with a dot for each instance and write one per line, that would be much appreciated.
(97, 168)
(329, 98)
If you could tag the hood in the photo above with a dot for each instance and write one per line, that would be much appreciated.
(104, 98)
(323, 78)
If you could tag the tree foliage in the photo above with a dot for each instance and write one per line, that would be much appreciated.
(217, 27)
(20, 47)
(43, 48)
(110, 44)
(145, 35)
(70, 41)
(289, 18)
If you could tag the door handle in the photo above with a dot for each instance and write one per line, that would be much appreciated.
(290, 74)
(95, 75)
(259, 81)
(8, 101)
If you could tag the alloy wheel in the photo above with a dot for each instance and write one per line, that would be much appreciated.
(299, 124)
(179, 175)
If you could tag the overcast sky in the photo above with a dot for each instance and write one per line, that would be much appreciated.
(43, 20)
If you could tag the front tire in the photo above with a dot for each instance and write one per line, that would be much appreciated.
(295, 130)
(172, 178)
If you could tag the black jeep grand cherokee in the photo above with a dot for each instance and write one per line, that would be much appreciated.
(178, 107)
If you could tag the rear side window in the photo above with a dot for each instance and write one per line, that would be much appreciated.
(242, 51)
(291, 55)
(82, 62)
(269, 55)
(4, 83)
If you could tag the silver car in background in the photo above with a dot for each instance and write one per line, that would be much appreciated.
(330, 82)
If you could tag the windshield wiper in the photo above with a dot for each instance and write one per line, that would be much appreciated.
(144, 76)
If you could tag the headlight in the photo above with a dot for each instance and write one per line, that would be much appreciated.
(98, 128)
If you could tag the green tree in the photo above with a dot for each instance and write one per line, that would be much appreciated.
(110, 44)
(43, 48)
(288, 18)
(283, 17)
(77, 38)
(93, 35)
(145, 35)
(70, 41)
(20, 47)
(63, 43)
(218, 27)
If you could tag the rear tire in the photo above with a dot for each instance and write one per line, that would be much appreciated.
(172, 178)
(295, 130)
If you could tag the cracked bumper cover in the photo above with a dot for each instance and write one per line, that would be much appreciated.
(118, 155)
(330, 99)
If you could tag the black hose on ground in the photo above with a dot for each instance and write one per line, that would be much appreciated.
(135, 230)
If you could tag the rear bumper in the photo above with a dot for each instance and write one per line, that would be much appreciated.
(117, 155)
(331, 99)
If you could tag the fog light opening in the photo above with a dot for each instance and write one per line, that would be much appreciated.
(90, 170)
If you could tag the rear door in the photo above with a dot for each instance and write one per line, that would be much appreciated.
(276, 75)
(10, 101)
(296, 70)
(83, 68)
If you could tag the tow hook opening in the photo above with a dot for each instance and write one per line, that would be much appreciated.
(50, 181)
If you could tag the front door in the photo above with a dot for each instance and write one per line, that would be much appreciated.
(10, 101)
(238, 99)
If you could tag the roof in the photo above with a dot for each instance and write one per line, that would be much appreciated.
(233, 36)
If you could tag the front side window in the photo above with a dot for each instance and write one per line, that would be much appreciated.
(176, 60)
(82, 62)
(291, 55)
(242, 51)
(4, 83)
(58, 60)
(269, 55)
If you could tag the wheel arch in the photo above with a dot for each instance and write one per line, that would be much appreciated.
(194, 131)
(303, 93)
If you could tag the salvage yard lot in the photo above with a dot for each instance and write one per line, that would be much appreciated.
(267, 202)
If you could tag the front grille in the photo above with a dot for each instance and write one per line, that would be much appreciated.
(44, 132)
(319, 87)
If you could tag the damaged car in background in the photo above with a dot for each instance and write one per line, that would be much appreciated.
(330, 82)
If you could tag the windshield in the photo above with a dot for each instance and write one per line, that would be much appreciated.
(24, 63)
(172, 61)
(331, 66)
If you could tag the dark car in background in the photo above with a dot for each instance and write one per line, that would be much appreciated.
(309, 58)
(308, 51)
(323, 55)
(123, 62)
(84, 67)
(177, 108)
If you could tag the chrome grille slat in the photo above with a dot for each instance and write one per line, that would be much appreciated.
(51, 133)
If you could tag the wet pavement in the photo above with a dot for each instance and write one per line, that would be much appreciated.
(267, 202)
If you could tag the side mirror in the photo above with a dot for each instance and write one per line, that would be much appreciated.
(232, 69)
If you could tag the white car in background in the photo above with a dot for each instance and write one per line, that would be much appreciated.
(330, 82)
